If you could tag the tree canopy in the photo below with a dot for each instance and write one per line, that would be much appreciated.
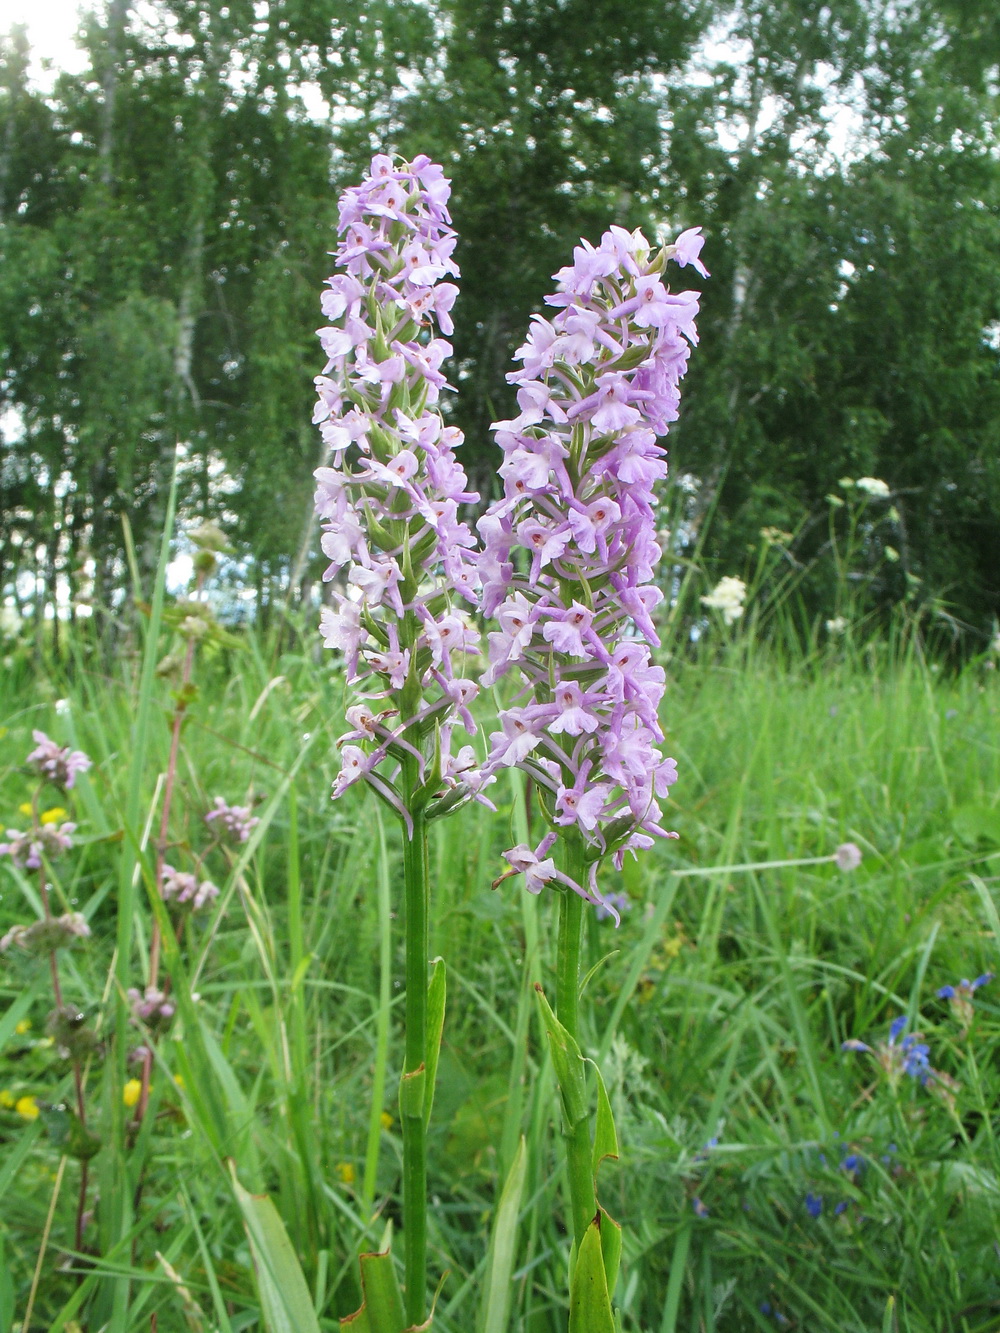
(165, 219)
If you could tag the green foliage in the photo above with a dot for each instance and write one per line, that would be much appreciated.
(165, 219)
(719, 1015)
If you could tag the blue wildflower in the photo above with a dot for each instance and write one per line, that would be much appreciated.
(915, 1058)
(960, 997)
(909, 1056)
(814, 1204)
(699, 1208)
(896, 1027)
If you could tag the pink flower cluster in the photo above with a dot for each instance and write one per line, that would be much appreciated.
(27, 849)
(48, 933)
(389, 501)
(182, 887)
(235, 821)
(570, 549)
(151, 1006)
(58, 765)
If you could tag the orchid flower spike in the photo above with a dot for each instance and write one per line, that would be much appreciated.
(401, 558)
(570, 550)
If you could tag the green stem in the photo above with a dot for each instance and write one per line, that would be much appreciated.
(415, 879)
(583, 1200)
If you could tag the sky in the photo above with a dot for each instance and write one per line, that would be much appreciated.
(51, 25)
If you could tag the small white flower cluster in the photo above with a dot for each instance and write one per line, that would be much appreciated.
(873, 486)
(727, 596)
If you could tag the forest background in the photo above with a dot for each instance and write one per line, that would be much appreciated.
(165, 218)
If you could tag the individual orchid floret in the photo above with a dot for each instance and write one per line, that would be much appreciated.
(615, 903)
(235, 822)
(389, 500)
(58, 765)
(570, 550)
(182, 887)
(960, 997)
(539, 870)
(43, 936)
(45, 840)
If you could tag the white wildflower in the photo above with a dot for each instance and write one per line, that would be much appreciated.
(727, 596)
(873, 486)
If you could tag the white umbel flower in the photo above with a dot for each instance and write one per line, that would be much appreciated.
(727, 596)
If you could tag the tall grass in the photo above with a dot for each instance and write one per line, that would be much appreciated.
(718, 1009)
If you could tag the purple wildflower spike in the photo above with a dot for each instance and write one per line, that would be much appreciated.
(570, 549)
(389, 500)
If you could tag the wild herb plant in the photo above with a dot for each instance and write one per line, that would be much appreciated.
(49, 837)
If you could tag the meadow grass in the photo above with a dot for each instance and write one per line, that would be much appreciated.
(830, 1197)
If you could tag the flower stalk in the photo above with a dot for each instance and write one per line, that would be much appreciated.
(400, 560)
(413, 1120)
(569, 555)
(579, 1163)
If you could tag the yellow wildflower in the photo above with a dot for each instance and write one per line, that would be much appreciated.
(132, 1091)
(23, 1027)
(54, 816)
(386, 1120)
(179, 1080)
(25, 808)
(345, 1170)
(27, 1107)
(6, 1099)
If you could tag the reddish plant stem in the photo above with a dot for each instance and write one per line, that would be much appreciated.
(155, 942)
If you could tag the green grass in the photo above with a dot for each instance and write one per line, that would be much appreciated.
(745, 985)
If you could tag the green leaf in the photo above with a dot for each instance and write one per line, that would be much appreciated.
(285, 1303)
(436, 995)
(412, 1089)
(889, 1321)
(976, 823)
(611, 1248)
(605, 1136)
(382, 1302)
(567, 1061)
(494, 1307)
(68, 1134)
(589, 1302)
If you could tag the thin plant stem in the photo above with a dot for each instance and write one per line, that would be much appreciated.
(381, 1029)
(415, 878)
(26, 1322)
(155, 942)
(583, 1200)
(81, 1105)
